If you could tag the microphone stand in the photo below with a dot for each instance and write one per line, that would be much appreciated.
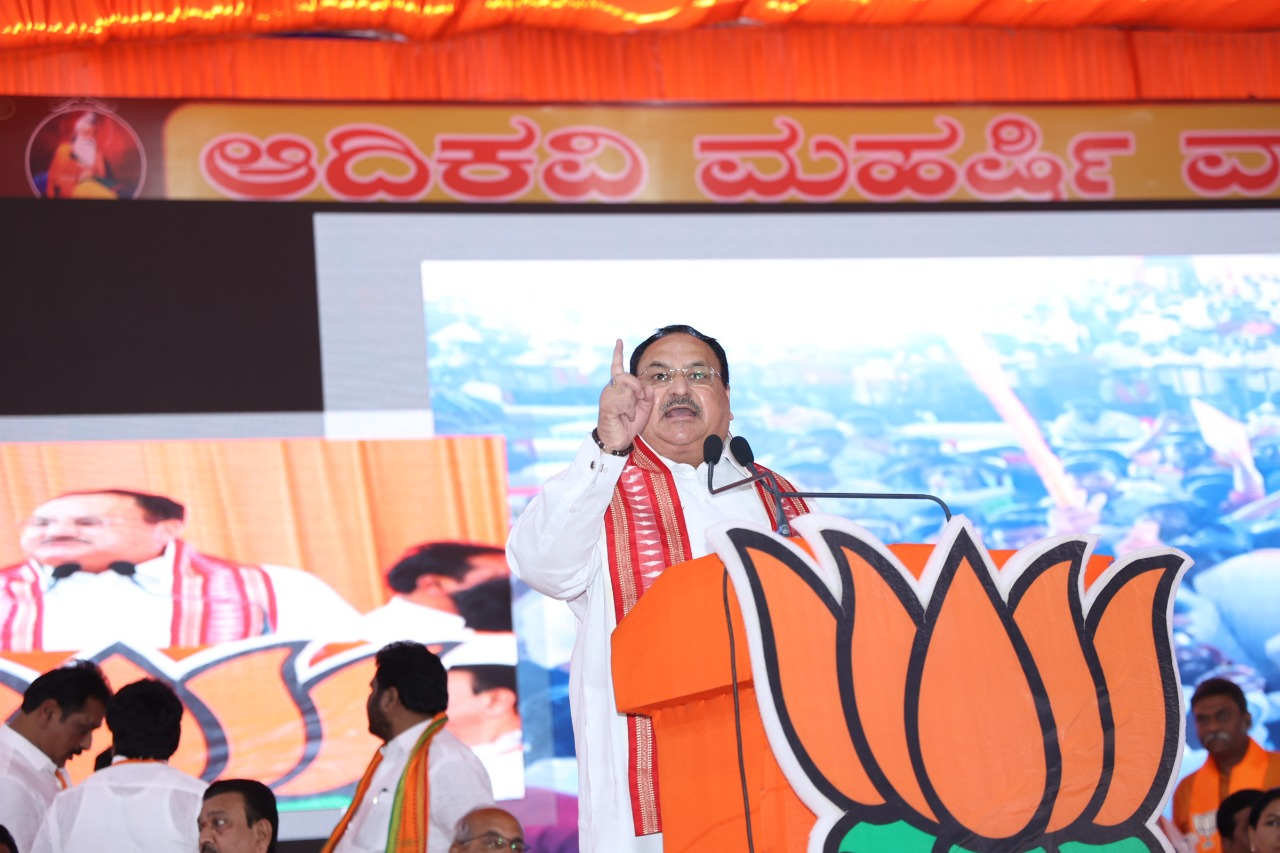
(713, 446)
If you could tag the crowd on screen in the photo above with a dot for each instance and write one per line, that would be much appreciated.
(1108, 370)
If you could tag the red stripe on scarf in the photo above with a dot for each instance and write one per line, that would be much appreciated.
(23, 627)
(645, 533)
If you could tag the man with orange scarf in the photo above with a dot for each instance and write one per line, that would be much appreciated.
(1235, 762)
(633, 502)
(423, 780)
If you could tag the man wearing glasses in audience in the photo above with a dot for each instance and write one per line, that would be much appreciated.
(489, 829)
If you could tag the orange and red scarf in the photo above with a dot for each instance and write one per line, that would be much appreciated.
(646, 533)
(410, 810)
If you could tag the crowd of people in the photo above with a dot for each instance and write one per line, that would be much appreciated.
(424, 789)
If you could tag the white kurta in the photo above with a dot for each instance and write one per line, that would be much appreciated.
(28, 784)
(503, 760)
(127, 806)
(86, 611)
(400, 619)
(458, 784)
(558, 547)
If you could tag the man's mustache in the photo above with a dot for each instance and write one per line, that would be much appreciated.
(208, 848)
(682, 401)
(54, 540)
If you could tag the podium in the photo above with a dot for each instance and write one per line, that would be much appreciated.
(1003, 700)
(671, 661)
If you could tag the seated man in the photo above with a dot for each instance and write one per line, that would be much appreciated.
(423, 779)
(139, 801)
(488, 829)
(60, 711)
(238, 816)
(111, 565)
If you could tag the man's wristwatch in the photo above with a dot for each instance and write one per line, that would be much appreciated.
(626, 451)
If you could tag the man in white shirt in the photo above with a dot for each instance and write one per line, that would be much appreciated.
(633, 502)
(423, 780)
(60, 711)
(111, 566)
(139, 802)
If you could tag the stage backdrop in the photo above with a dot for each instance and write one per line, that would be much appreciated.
(1110, 371)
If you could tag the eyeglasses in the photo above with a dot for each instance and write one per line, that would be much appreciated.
(692, 375)
(84, 522)
(494, 841)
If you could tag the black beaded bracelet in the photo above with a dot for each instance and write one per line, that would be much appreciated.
(626, 451)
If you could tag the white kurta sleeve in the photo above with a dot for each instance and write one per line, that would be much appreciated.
(552, 544)
(21, 811)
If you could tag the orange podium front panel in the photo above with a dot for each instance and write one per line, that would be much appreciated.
(671, 662)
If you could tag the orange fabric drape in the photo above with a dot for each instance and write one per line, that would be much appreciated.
(799, 64)
(343, 510)
(24, 24)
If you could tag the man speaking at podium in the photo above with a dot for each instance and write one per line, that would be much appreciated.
(634, 501)
(111, 565)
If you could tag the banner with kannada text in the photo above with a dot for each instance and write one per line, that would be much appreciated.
(654, 154)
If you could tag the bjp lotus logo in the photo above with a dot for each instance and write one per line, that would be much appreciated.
(968, 708)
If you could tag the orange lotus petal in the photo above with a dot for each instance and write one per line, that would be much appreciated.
(1127, 620)
(980, 735)
(800, 652)
(883, 633)
(347, 746)
(1046, 605)
(268, 728)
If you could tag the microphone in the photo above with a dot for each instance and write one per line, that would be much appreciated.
(712, 447)
(65, 570)
(742, 451)
(123, 568)
(714, 442)
(742, 454)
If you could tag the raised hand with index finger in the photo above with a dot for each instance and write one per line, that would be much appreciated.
(625, 406)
